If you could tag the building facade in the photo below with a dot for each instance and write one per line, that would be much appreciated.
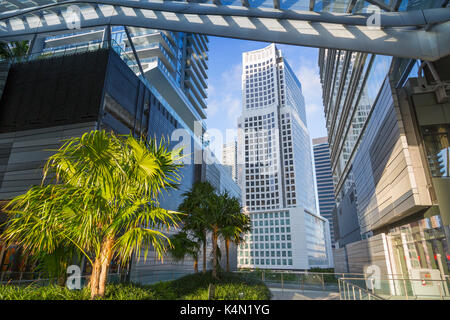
(221, 179)
(276, 175)
(387, 121)
(229, 158)
(324, 181)
(92, 80)
(65, 99)
(174, 63)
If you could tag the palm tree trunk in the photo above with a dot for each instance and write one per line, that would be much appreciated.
(227, 249)
(204, 254)
(106, 257)
(214, 253)
(196, 264)
(94, 279)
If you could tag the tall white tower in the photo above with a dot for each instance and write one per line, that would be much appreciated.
(229, 158)
(275, 171)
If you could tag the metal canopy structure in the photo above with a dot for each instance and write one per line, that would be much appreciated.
(422, 34)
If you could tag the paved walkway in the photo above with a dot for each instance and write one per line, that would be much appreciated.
(296, 294)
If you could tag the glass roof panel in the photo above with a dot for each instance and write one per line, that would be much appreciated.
(302, 5)
(261, 3)
(232, 2)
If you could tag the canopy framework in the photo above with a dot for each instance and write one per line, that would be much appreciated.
(414, 34)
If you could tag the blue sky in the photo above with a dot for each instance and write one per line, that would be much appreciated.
(224, 83)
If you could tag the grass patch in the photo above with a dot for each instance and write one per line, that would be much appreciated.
(191, 287)
(55, 292)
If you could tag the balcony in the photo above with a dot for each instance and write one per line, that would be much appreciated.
(155, 49)
(146, 38)
(79, 37)
(199, 85)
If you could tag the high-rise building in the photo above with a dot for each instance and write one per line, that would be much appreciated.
(98, 79)
(388, 130)
(324, 181)
(276, 174)
(220, 178)
(229, 158)
(174, 63)
(67, 96)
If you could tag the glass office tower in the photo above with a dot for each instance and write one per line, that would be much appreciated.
(324, 181)
(276, 175)
(388, 157)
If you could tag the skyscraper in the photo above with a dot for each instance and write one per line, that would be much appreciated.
(388, 134)
(276, 175)
(229, 158)
(174, 67)
(324, 181)
(93, 80)
(174, 63)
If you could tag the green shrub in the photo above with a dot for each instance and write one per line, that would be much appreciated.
(322, 270)
(327, 278)
(229, 286)
(55, 292)
(191, 287)
(49, 292)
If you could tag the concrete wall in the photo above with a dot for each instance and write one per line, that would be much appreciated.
(340, 260)
(371, 251)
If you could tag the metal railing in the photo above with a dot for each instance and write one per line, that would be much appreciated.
(67, 50)
(143, 277)
(149, 276)
(394, 288)
(350, 291)
(299, 280)
(38, 279)
(355, 286)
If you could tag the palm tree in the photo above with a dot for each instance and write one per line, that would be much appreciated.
(196, 206)
(206, 211)
(15, 49)
(183, 246)
(219, 205)
(227, 221)
(54, 265)
(235, 225)
(105, 202)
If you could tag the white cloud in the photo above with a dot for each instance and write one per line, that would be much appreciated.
(311, 87)
(226, 95)
(313, 108)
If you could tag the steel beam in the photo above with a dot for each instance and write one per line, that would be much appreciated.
(401, 34)
(141, 70)
(388, 19)
(396, 5)
(380, 4)
(276, 4)
(351, 6)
